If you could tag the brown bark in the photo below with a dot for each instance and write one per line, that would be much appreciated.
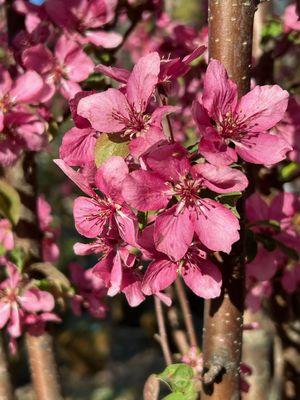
(230, 41)
(22, 176)
(42, 365)
(6, 389)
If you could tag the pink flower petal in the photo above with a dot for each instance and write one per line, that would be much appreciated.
(173, 233)
(205, 280)
(159, 275)
(216, 226)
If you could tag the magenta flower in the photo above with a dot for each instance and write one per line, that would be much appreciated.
(90, 292)
(198, 273)
(17, 302)
(20, 128)
(289, 129)
(115, 268)
(83, 20)
(63, 70)
(78, 144)
(282, 209)
(170, 175)
(291, 19)
(50, 249)
(6, 234)
(239, 126)
(127, 113)
(96, 214)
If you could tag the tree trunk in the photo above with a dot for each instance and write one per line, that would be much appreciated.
(230, 41)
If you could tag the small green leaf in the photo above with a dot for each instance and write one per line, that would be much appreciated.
(10, 203)
(174, 396)
(287, 172)
(108, 146)
(2, 250)
(54, 275)
(18, 256)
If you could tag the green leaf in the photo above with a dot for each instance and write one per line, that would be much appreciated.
(287, 172)
(18, 256)
(272, 29)
(178, 376)
(53, 275)
(2, 250)
(174, 396)
(108, 146)
(10, 203)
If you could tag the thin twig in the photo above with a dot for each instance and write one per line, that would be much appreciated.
(186, 312)
(162, 337)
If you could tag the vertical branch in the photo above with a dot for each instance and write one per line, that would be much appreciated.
(186, 312)
(42, 365)
(162, 336)
(6, 390)
(230, 41)
(22, 176)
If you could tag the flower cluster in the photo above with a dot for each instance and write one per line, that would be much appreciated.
(155, 208)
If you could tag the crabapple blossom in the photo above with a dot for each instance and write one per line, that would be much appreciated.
(239, 126)
(6, 234)
(126, 114)
(63, 70)
(20, 304)
(171, 175)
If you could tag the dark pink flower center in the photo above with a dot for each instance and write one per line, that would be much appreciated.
(187, 189)
(135, 123)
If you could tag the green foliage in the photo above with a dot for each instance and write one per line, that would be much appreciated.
(287, 172)
(180, 379)
(229, 200)
(272, 29)
(10, 203)
(18, 256)
(108, 146)
(250, 246)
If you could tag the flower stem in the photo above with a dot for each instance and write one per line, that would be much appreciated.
(6, 389)
(162, 336)
(186, 312)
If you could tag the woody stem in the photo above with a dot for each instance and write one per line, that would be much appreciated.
(230, 41)
(162, 336)
(186, 312)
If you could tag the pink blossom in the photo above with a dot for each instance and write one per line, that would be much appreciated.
(282, 209)
(63, 70)
(256, 292)
(90, 292)
(116, 268)
(82, 20)
(198, 273)
(240, 122)
(170, 175)
(291, 19)
(18, 302)
(50, 250)
(108, 211)
(6, 234)
(290, 279)
(20, 128)
(126, 114)
(289, 129)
